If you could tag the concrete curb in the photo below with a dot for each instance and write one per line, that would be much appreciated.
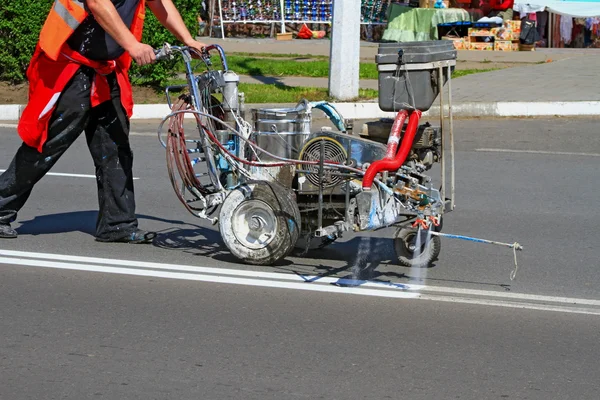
(12, 112)
(484, 110)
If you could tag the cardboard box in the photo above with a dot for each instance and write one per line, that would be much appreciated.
(502, 33)
(515, 46)
(284, 36)
(513, 24)
(515, 27)
(503, 45)
(480, 32)
(459, 43)
(481, 46)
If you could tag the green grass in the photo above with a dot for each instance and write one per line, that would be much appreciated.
(463, 72)
(273, 55)
(243, 65)
(259, 93)
(259, 66)
(298, 65)
(256, 93)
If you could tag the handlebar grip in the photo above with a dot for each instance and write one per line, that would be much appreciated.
(160, 54)
(164, 52)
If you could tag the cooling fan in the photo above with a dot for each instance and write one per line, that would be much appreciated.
(333, 153)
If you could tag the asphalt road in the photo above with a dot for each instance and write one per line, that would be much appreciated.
(181, 319)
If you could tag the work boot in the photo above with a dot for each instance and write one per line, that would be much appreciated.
(6, 232)
(136, 237)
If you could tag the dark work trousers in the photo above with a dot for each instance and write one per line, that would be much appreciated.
(106, 129)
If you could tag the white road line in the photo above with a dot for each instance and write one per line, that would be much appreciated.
(8, 126)
(293, 277)
(290, 281)
(554, 153)
(70, 175)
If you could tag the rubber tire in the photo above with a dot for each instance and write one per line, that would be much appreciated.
(406, 257)
(281, 201)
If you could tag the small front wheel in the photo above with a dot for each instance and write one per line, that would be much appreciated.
(259, 222)
(412, 252)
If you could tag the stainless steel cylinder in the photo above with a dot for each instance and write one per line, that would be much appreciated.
(281, 132)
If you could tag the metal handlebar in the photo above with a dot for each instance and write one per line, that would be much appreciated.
(166, 52)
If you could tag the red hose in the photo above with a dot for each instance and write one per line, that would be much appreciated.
(394, 139)
(393, 164)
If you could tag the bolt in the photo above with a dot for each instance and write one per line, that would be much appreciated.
(255, 223)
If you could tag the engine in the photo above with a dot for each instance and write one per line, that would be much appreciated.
(426, 145)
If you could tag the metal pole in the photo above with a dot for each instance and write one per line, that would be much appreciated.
(282, 13)
(322, 156)
(348, 162)
(221, 19)
(211, 14)
(441, 91)
(344, 55)
(451, 130)
(550, 24)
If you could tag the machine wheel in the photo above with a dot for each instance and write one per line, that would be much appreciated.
(404, 244)
(260, 222)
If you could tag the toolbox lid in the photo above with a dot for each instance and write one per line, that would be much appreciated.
(416, 52)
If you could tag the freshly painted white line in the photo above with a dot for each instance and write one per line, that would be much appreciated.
(293, 285)
(200, 277)
(70, 175)
(301, 279)
(555, 153)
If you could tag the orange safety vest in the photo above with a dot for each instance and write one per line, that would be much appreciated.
(66, 15)
(53, 65)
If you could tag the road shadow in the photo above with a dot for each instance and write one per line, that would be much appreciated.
(200, 241)
(364, 258)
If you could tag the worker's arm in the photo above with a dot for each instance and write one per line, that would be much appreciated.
(167, 14)
(107, 16)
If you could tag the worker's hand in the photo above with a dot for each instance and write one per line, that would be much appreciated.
(142, 54)
(196, 45)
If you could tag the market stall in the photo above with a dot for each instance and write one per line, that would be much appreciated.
(283, 15)
(407, 24)
(564, 23)
(466, 23)
(558, 23)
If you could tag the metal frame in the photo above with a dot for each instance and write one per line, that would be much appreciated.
(439, 67)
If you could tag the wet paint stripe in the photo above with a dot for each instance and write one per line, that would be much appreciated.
(297, 282)
(70, 175)
(294, 277)
(554, 153)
